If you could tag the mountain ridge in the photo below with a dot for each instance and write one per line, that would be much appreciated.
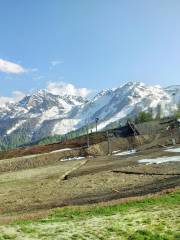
(43, 113)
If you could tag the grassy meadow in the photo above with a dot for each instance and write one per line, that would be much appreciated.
(156, 218)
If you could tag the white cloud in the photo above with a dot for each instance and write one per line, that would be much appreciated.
(10, 67)
(4, 100)
(62, 88)
(15, 97)
(18, 95)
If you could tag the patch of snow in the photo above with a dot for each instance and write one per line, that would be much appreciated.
(160, 160)
(52, 113)
(117, 153)
(71, 159)
(15, 127)
(64, 104)
(62, 150)
(65, 125)
(176, 150)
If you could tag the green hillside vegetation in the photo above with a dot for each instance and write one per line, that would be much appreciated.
(143, 117)
(59, 138)
(13, 141)
(177, 112)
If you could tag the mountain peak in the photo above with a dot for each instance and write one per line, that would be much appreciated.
(133, 84)
(44, 113)
(42, 92)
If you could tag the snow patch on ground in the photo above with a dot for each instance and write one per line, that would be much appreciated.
(160, 160)
(117, 153)
(71, 159)
(61, 150)
(176, 150)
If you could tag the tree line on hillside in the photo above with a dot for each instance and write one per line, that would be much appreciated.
(148, 116)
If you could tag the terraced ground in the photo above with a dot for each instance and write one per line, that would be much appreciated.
(34, 187)
(156, 218)
(43, 182)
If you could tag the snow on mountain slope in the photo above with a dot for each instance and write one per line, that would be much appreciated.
(43, 113)
(65, 125)
(15, 127)
(126, 101)
(174, 92)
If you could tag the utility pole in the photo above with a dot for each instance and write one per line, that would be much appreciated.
(87, 133)
(97, 119)
(109, 143)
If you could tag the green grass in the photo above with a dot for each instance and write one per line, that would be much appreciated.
(148, 235)
(155, 218)
(74, 212)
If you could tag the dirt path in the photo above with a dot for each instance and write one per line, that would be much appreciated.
(142, 190)
(146, 173)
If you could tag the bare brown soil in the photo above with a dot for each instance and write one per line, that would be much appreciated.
(34, 180)
(38, 183)
(39, 149)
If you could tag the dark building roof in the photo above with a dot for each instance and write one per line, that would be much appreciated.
(126, 131)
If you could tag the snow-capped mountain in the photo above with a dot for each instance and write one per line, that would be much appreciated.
(43, 113)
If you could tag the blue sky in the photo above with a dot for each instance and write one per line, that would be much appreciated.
(89, 43)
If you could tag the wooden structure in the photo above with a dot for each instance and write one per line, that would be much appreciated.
(128, 130)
